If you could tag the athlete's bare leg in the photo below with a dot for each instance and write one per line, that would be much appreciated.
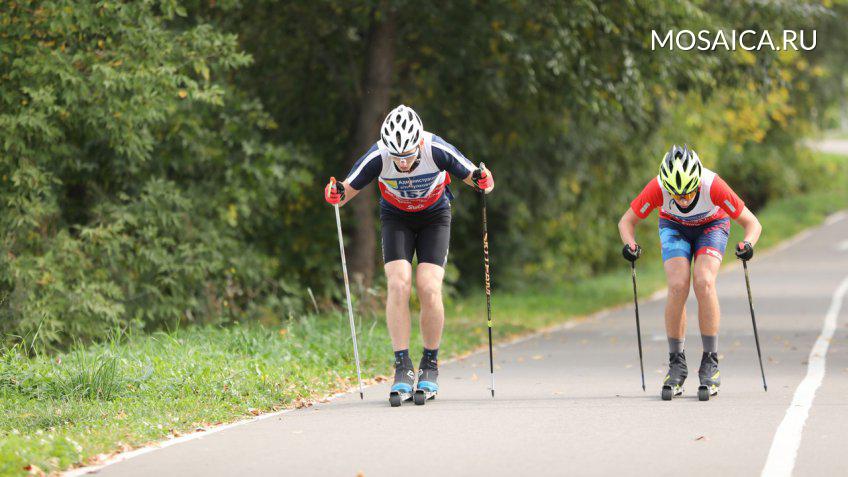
(677, 272)
(709, 314)
(428, 282)
(399, 277)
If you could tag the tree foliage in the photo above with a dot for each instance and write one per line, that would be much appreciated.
(135, 177)
(162, 161)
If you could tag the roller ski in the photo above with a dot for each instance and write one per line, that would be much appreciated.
(709, 377)
(427, 387)
(677, 372)
(404, 379)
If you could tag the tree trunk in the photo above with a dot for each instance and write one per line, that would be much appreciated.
(376, 87)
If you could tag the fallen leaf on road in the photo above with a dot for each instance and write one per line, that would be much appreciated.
(701, 438)
(360, 474)
(520, 359)
(474, 377)
(537, 357)
(254, 411)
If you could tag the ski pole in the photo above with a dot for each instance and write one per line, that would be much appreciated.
(754, 322)
(347, 292)
(638, 327)
(488, 282)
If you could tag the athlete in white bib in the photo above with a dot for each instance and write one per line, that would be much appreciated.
(413, 168)
(696, 206)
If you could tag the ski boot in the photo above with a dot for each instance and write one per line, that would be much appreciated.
(709, 376)
(677, 372)
(404, 379)
(428, 376)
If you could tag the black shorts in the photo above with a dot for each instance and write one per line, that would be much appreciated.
(425, 234)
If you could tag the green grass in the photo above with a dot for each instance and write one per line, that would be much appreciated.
(65, 410)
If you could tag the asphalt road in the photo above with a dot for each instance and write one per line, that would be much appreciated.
(570, 401)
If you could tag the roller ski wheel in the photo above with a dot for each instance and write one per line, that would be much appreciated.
(396, 398)
(404, 379)
(669, 392)
(421, 397)
(709, 376)
(427, 386)
(676, 376)
(705, 392)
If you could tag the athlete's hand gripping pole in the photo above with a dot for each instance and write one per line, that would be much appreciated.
(754, 322)
(488, 282)
(347, 292)
(636, 306)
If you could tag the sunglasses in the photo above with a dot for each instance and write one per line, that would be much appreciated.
(688, 196)
(404, 156)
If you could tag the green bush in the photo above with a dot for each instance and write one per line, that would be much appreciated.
(136, 181)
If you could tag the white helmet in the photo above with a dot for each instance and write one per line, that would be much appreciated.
(401, 130)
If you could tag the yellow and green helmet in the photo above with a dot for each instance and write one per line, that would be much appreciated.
(680, 170)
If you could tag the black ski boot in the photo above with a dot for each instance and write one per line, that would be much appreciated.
(677, 372)
(428, 378)
(404, 379)
(709, 376)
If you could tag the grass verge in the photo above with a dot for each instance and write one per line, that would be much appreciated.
(80, 407)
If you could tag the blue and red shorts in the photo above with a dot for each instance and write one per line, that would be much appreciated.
(686, 241)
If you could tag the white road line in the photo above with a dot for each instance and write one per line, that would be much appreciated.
(843, 246)
(79, 471)
(787, 439)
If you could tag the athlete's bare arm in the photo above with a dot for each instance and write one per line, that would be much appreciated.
(350, 193)
(752, 226)
(627, 227)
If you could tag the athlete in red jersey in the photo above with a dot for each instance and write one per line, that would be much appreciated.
(696, 206)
